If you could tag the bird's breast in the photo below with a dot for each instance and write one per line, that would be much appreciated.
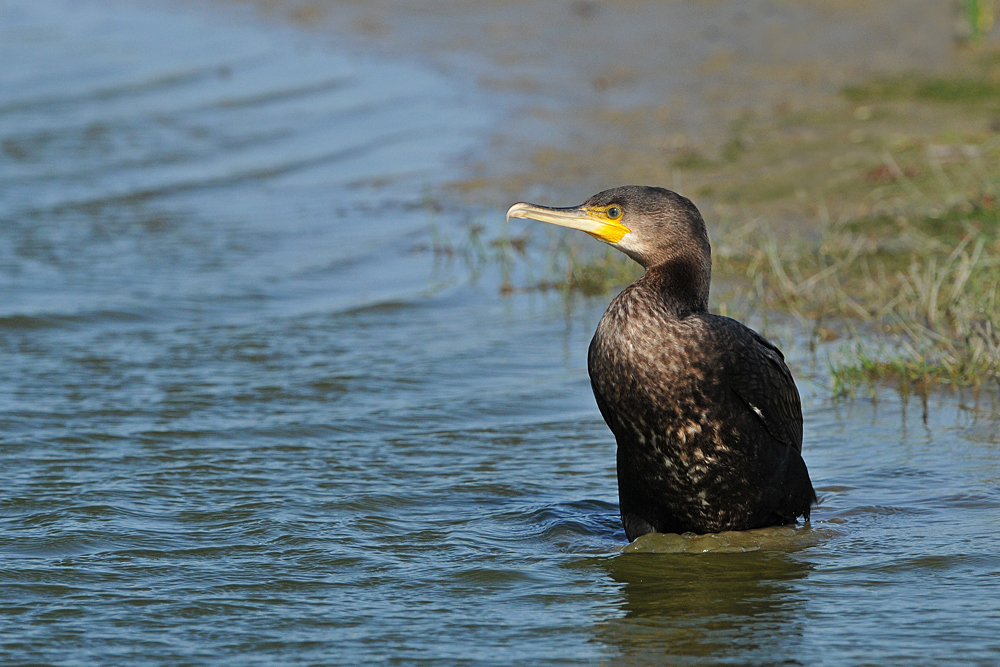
(641, 355)
(650, 378)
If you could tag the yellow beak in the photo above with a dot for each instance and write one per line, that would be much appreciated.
(594, 221)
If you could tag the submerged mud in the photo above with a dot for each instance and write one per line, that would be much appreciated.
(778, 538)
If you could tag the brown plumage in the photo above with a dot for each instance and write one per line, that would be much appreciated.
(705, 411)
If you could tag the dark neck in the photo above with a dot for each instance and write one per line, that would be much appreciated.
(683, 284)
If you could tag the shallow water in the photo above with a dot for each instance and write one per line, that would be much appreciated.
(245, 420)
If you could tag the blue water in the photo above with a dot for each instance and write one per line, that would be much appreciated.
(248, 418)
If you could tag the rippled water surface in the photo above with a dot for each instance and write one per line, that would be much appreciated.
(246, 420)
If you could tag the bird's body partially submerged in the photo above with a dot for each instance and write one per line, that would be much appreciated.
(706, 414)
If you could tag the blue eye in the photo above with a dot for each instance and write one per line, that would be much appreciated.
(614, 212)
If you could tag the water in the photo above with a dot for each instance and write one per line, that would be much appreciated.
(245, 420)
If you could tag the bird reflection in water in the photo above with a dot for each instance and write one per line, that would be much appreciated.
(706, 609)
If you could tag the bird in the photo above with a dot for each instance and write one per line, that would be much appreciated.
(705, 412)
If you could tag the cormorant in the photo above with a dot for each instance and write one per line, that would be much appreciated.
(706, 414)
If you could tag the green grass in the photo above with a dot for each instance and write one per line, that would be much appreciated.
(691, 159)
(977, 84)
(927, 306)
(978, 15)
(921, 88)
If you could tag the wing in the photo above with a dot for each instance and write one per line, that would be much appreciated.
(760, 380)
(763, 382)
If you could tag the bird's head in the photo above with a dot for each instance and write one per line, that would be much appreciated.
(651, 225)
